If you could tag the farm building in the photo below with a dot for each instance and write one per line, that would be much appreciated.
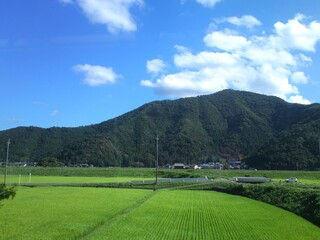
(179, 166)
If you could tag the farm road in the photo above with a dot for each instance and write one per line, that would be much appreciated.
(117, 217)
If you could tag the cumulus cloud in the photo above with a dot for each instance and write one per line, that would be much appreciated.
(155, 66)
(226, 40)
(205, 59)
(296, 35)
(208, 3)
(245, 21)
(299, 99)
(187, 83)
(114, 14)
(96, 75)
(262, 64)
(299, 77)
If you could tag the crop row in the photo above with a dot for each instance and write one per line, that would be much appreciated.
(207, 215)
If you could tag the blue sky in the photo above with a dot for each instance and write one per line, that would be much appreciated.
(71, 63)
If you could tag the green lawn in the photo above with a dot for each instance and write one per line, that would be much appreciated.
(101, 213)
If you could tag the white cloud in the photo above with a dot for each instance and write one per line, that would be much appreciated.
(299, 99)
(188, 83)
(261, 64)
(155, 66)
(245, 21)
(226, 40)
(204, 59)
(96, 75)
(296, 35)
(112, 13)
(299, 77)
(208, 3)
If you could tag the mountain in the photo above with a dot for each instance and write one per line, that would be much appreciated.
(264, 131)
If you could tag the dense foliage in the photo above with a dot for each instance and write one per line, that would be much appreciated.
(6, 192)
(266, 132)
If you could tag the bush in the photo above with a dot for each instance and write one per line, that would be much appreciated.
(6, 192)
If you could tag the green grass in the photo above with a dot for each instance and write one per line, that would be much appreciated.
(23, 179)
(100, 213)
(83, 172)
(62, 213)
(207, 215)
(150, 172)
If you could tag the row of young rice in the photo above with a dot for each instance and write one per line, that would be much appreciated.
(33, 179)
(207, 215)
(62, 212)
(99, 213)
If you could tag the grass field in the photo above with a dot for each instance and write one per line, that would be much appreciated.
(150, 172)
(99, 213)
(62, 213)
(23, 179)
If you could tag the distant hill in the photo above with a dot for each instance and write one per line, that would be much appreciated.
(264, 131)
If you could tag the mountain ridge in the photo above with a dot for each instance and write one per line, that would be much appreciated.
(218, 127)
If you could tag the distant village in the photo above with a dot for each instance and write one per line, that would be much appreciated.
(230, 164)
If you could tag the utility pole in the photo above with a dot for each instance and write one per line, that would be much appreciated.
(157, 162)
(6, 164)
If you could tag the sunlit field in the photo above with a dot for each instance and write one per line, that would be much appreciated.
(102, 213)
(62, 213)
(25, 179)
(207, 215)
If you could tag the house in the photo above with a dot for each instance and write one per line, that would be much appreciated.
(235, 164)
(194, 166)
(179, 166)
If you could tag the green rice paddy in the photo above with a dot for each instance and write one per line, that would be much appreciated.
(101, 213)
(25, 179)
(62, 212)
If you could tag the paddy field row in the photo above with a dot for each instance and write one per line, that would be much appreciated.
(102, 213)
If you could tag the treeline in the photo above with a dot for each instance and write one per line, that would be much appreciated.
(265, 132)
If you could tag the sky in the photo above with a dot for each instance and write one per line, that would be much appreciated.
(70, 63)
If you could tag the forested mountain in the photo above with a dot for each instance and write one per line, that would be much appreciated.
(265, 132)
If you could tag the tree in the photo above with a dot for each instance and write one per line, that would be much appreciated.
(50, 162)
